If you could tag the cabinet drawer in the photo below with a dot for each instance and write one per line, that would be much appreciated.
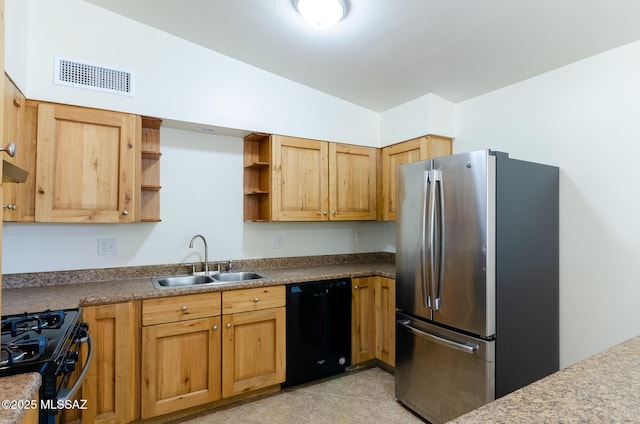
(180, 308)
(246, 300)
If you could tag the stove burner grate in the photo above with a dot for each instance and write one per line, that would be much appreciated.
(19, 324)
(17, 351)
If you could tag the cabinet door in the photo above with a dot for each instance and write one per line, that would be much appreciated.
(110, 386)
(385, 299)
(180, 365)
(254, 349)
(300, 179)
(406, 152)
(85, 165)
(363, 330)
(352, 182)
(13, 110)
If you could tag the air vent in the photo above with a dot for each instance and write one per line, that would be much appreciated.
(93, 77)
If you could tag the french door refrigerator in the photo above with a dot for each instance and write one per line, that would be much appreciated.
(476, 280)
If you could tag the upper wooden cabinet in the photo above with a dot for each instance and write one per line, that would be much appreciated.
(352, 182)
(85, 165)
(414, 150)
(14, 106)
(300, 180)
(297, 179)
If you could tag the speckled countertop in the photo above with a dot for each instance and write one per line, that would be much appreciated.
(21, 387)
(604, 388)
(31, 299)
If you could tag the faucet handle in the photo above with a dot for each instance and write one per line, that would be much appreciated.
(193, 267)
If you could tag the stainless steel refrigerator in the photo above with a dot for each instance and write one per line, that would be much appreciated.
(476, 280)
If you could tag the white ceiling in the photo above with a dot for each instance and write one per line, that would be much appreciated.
(387, 52)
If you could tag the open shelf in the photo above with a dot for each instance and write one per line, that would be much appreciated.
(257, 177)
(150, 170)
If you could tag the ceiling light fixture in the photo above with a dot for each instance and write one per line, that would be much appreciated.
(321, 13)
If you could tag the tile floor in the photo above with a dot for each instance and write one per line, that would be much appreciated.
(356, 397)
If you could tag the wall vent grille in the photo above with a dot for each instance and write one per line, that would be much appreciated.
(77, 74)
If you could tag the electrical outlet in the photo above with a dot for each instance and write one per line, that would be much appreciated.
(107, 246)
(277, 242)
(358, 237)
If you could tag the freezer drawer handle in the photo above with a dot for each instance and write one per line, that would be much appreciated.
(463, 347)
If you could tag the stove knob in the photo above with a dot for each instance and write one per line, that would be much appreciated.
(83, 329)
(70, 360)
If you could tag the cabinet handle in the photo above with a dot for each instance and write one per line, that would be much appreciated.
(125, 212)
(256, 300)
(215, 328)
(324, 213)
(184, 309)
(356, 287)
(9, 148)
(333, 213)
(11, 207)
(228, 325)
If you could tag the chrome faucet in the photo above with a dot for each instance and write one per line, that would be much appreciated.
(230, 265)
(206, 252)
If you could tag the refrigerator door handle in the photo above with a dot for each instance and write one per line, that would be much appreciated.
(462, 347)
(432, 226)
(438, 240)
(424, 251)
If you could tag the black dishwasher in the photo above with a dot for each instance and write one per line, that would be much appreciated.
(318, 330)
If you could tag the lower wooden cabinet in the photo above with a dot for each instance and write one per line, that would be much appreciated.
(373, 320)
(199, 348)
(182, 365)
(253, 339)
(363, 330)
(254, 347)
(385, 320)
(180, 353)
(110, 387)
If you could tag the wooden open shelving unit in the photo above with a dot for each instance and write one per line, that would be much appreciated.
(257, 177)
(150, 170)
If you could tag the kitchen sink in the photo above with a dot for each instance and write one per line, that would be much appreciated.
(180, 281)
(190, 280)
(238, 276)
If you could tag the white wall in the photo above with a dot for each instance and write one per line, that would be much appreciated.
(427, 114)
(201, 179)
(175, 79)
(583, 118)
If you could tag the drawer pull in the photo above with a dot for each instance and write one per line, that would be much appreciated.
(229, 325)
(184, 309)
(256, 300)
(215, 328)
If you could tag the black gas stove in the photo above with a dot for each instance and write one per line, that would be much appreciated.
(48, 343)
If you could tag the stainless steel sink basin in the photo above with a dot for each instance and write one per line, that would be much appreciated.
(189, 280)
(180, 281)
(238, 276)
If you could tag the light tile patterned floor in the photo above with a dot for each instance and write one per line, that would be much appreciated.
(365, 397)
